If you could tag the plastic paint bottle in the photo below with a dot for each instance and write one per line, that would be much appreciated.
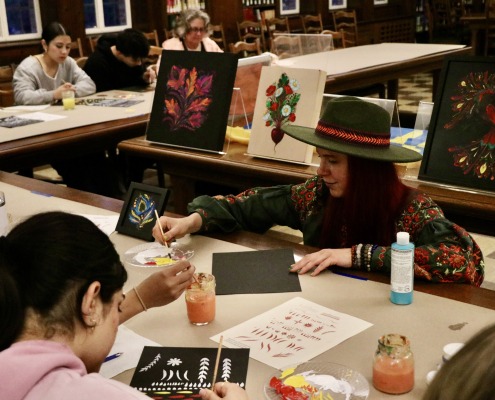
(402, 276)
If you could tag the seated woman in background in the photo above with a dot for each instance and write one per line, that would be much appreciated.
(192, 33)
(42, 78)
(352, 209)
(61, 302)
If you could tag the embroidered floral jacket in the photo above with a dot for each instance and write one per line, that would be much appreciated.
(445, 252)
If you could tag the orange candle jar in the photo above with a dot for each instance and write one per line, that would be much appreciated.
(393, 365)
(200, 299)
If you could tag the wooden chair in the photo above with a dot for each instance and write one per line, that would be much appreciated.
(490, 29)
(81, 61)
(312, 23)
(338, 38)
(155, 51)
(152, 37)
(397, 31)
(277, 25)
(249, 31)
(286, 46)
(92, 43)
(346, 20)
(246, 49)
(169, 33)
(77, 45)
(6, 90)
(218, 35)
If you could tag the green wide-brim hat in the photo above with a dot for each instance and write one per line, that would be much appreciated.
(354, 127)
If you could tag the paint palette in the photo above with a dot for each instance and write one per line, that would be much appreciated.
(155, 255)
(317, 381)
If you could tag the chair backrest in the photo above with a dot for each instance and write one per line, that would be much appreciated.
(155, 51)
(77, 45)
(169, 33)
(246, 49)
(346, 20)
(218, 35)
(81, 61)
(338, 38)
(397, 31)
(286, 46)
(152, 37)
(277, 25)
(312, 23)
(249, 31)
(490, 8)
(6, 89)
(92, 43)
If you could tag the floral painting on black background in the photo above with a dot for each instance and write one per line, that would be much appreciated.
(460, 147)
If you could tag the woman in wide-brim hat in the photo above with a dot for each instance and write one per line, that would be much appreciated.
(352, 209)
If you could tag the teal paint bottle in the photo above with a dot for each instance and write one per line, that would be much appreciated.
(402, 271)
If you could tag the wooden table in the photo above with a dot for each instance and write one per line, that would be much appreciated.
(85, 130)
(430, 322)
(475, 211)
(360, 66)
(464, 293)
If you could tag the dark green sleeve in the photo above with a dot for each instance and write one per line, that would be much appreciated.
(255, 210)
(444, 251)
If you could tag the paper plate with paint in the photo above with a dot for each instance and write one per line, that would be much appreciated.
(314, 380)
(153, 255)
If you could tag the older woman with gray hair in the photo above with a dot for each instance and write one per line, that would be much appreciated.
(192, 33)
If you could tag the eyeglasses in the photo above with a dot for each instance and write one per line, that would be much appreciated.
(197, 30)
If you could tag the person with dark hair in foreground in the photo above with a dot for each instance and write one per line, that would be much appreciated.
(61, 302)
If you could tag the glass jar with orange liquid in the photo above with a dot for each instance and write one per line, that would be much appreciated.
(393, 365)
(200, 299)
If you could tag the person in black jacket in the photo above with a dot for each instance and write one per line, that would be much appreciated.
(117, 61)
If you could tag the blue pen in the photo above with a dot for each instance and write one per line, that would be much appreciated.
(350, 276)
(113, 357)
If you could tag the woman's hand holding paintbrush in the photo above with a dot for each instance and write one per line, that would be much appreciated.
(167, 229)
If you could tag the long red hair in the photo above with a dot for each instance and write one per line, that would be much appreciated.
(366, 213)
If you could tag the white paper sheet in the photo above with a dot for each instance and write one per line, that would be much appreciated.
(131, 345)
(292, 333)
(25, 108)
(106, 223)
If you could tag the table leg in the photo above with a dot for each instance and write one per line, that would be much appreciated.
(183, 192)
(393, 89)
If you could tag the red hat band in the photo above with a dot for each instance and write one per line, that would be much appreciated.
(352, 136)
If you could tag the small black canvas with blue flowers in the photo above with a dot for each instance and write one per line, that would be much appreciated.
(138, 217)
(180, 372)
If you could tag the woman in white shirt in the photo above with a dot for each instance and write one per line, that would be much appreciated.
(41, 79)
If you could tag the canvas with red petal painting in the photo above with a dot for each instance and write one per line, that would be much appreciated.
(192, 99)
(460, 147)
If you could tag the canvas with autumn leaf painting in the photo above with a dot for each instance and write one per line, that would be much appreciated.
(192, 99)
(285, 96)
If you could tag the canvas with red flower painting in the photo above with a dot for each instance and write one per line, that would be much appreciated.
(285, 96)
(460, 146)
